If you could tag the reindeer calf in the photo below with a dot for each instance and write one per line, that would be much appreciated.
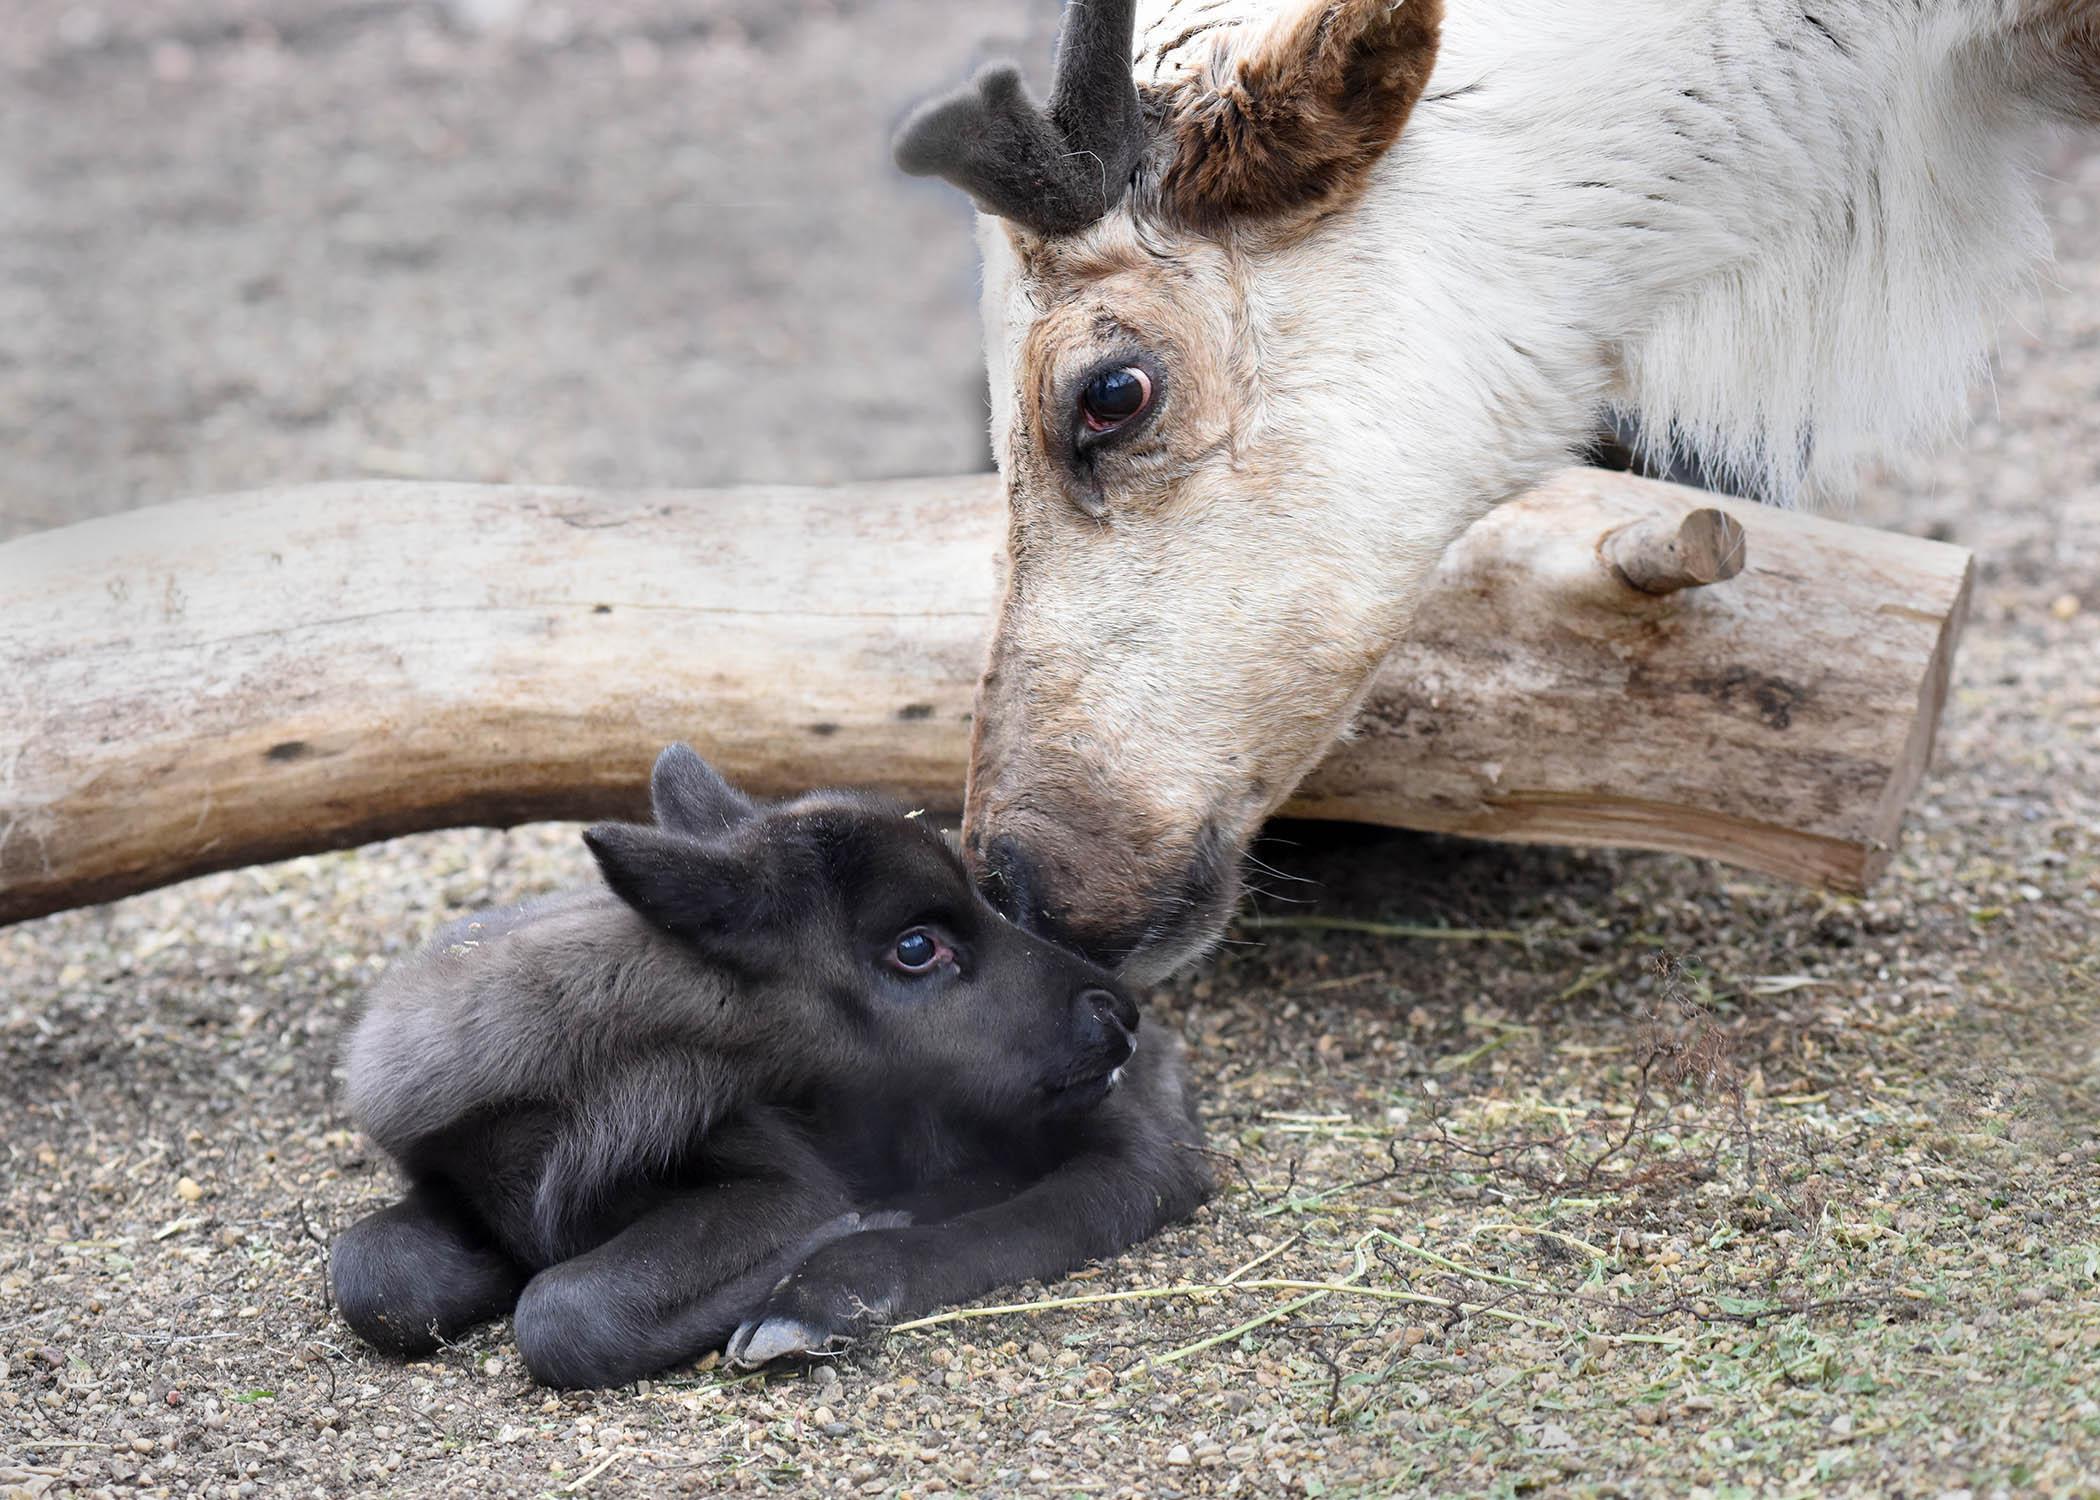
(629, 1112)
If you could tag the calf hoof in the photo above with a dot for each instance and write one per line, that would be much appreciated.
(848, 1289)
(783, 1335)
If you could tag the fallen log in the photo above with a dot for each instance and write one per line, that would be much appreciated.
(225, 681)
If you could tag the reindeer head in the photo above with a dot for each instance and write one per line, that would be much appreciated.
(1224, 503)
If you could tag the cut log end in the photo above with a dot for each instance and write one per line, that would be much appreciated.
(1661, 556)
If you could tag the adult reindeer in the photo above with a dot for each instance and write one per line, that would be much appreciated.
(1276, 316)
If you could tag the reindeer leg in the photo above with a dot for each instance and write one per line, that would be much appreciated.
(1138, 1167)
(651, 1296)
(710, 1323)
(422, 1271)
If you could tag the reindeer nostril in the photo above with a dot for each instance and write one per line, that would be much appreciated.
(1008, 881)
(1111, 1006)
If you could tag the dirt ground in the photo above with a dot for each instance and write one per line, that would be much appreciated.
(1637, 1177)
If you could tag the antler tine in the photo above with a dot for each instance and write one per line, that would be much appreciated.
(1055, 172)
(1095, 101)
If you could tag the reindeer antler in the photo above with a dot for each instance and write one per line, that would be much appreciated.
(1055, 171)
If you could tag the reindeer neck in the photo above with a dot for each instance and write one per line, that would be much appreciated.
(1779, 236)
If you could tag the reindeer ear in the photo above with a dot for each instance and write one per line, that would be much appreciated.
(1293, 114)
(702, 893)
(690, 796)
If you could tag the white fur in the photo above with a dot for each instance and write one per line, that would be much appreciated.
(1782, 243)
(1794, 271)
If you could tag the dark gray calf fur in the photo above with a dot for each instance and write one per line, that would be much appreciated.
(704, 1104)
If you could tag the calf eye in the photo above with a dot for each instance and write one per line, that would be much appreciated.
(918, 952)
(1114, 397)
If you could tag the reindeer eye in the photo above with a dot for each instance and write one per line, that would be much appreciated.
(1114, 397)
(918, 952)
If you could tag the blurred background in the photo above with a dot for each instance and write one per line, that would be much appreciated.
(659, 243)
(622, 242)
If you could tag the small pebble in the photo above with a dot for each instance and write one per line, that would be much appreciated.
(187, 1190)
(492, 1367)
(1178, 1456)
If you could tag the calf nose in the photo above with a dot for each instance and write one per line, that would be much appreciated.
(1111, 1006)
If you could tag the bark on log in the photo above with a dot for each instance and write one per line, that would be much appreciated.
(230, 680)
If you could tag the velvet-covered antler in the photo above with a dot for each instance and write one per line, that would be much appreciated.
(1054, 170)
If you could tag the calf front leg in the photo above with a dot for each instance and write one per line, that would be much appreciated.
(423, 1271)
(642, 1300)
(1137, 1166)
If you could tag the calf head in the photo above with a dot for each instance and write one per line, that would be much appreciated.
(1218, 525)
(865, 961)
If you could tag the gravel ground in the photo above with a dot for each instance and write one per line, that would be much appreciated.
(1645, 1177)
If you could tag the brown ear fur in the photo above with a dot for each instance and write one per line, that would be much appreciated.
(1295, 115)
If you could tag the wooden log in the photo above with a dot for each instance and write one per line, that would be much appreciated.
(1779, 721)
(224, 681)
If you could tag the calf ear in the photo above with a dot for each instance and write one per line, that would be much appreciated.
(689, 795)
(688, 889)
(1292, 114)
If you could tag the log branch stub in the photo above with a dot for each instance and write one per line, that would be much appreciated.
(1660, 555)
